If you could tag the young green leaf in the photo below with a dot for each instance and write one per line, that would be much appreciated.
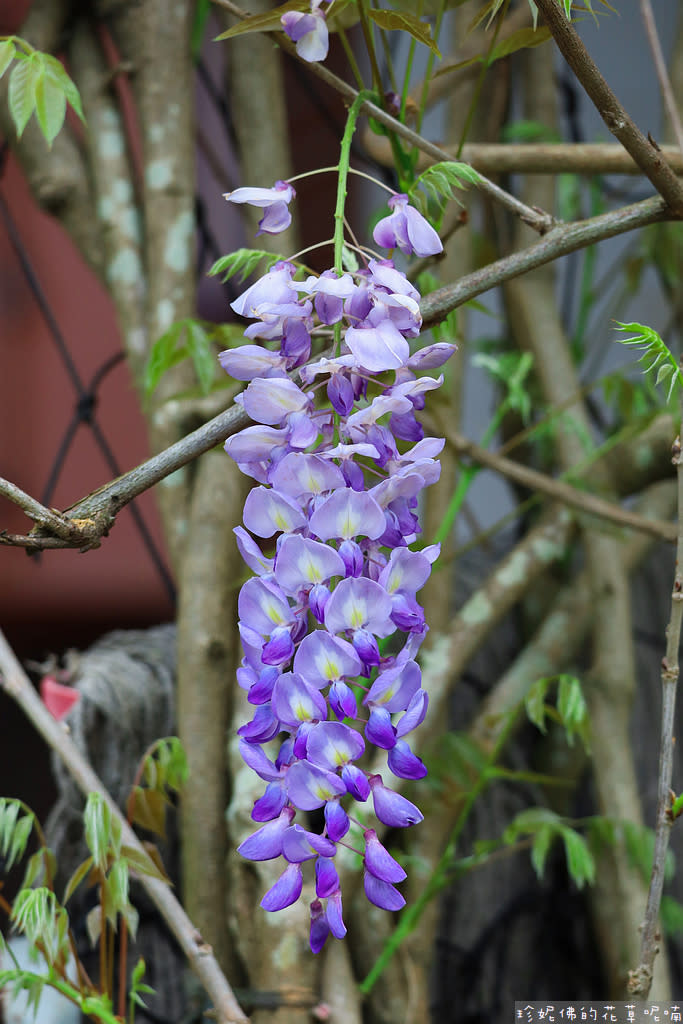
(7, 52)
(21, 92)
(523, 39)
(50, 103)
(404, 22)
(656, 351)
(580, 863)
(76, 878)
(540, 848)
(243, 261)
(97, 826)
(534, 703)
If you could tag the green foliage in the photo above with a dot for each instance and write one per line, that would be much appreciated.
(38, 915)
(439, 182)
(137, 986)
(165, 771)
(510, 370)
(570, 709)
(403, 21)
(656, 353)
(543, 826)
(38, 84)
(15, 830)
(189, 339)
(243, 261)
(102, 831)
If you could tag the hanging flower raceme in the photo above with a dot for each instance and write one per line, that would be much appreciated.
(330, 620)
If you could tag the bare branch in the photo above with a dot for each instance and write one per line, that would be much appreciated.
(645, 153)
(563, 239)
(534, 157)
(560, 490)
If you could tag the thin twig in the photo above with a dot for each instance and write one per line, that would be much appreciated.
(645, 153)
(17, 685)
(662, 73)
(559, 490)
(537, 219)
(640, 979)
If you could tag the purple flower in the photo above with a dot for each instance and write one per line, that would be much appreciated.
(308, 31)
(286, 890)
(274, 200)
(406, 229)
(391, 808)
(379, 861)
(382, 894)
(266, 843)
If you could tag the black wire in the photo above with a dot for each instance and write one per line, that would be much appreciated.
(86, 398)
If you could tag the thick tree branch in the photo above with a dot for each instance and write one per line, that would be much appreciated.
(563, 239)
(645, 153)
(17, 685)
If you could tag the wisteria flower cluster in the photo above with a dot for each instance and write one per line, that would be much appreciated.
(339, 462)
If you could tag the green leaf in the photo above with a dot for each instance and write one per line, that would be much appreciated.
(580, 863)
(143, 864)
(534, 703)
(200, 348)
(671, 915)
(656, 351)
(404, 22)
(267, 22)
(76, 878)
(38, 915)
(523, 39)
(163, 356)
(242, 261)
(97, 826)
(7, 52)
(540, 848)
(530, 821)
(21, 93)
(50, 107)
(54, 71)
(571, 705)
(150, 810)
(349, 259)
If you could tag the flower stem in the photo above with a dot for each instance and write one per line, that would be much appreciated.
(344, 158)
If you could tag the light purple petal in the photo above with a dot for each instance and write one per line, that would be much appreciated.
(403, 763)
(322, 658)
(379, 861)
(286, 890)
(415, 713)
(295, 702)
(347, 514)
(334, 915)
(379, 730)
(336, 820)
(299, 845)
(249, 361)
(266, 843)
(396, 686)
(378, 348)
(326, 877)
(272, 400)
(300, 473)
(302, 562)
(310, 787)
(382, 894)
(252, 554)
(332, 744)
(266, 512)
(359, 604)
(391, 808)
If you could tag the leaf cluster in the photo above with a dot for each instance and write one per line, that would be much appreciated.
(196, 340)
(570, 709)
(656, 354)
(38, 84)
